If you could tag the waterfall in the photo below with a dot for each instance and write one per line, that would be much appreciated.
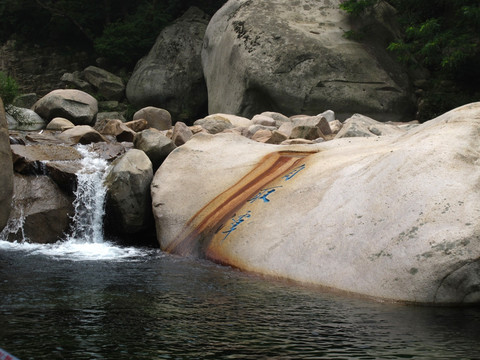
(86, 240)
(89, 204)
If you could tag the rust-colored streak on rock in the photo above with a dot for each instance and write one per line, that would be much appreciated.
(194, 239)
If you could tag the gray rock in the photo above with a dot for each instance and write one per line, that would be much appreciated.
(6, 180)
(329, 115)
(119, 130)
(299, 62)
(75, 105)
(128, 205)
(264, 120)
(59, 124)
(181, 133)
(75, 81)
(157, 118)
(45, 209)
(363, 126)
(156, 145)
(137, 125)
(82, 134)
(25, 119)
(314, 121)
(279, 118)
(214, 125)
(171, 75)
(110, 86)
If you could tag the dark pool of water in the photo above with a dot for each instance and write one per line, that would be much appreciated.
(157, 306)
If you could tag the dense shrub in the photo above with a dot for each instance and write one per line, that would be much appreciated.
(120, 30)
(441, 36)
(8, 88)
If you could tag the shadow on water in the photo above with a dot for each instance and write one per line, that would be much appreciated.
(152, 306)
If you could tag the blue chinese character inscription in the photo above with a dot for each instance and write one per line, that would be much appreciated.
(235, 222)
(294, 172)
(263, 194)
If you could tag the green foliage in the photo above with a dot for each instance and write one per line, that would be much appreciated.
(126, 40)
(357, 7)
(120, 30)
(8, 88)
(442, 36)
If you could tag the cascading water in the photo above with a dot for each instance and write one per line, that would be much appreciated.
(86, 239)
(89, 204)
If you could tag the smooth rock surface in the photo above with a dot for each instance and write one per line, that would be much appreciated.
(156, 145)
(75, 105)
(128, 202)
(393, 217)
(81, 134)
(292, 57)
(157, 118)
(171, 75)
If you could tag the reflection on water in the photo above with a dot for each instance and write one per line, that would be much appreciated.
(154, 306)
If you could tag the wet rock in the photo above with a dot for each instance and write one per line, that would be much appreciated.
(110, 151)
(274, 209)
(31, 159)
(46, 210)
(6, 180)
(128, 205)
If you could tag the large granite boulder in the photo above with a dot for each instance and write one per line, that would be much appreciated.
(298, 61)
(6, 179)
(74, 105)
(44, 210)
(128, 205)
(171, 75)
(392, 217)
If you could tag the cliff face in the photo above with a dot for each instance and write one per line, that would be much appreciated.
(39, 69)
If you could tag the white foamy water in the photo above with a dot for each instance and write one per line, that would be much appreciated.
(71, 250)
(86, 239)
(89, 204)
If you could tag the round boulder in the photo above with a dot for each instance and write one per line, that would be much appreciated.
(157, 118)
(128, 206)
(74, 105)
(171, 75)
